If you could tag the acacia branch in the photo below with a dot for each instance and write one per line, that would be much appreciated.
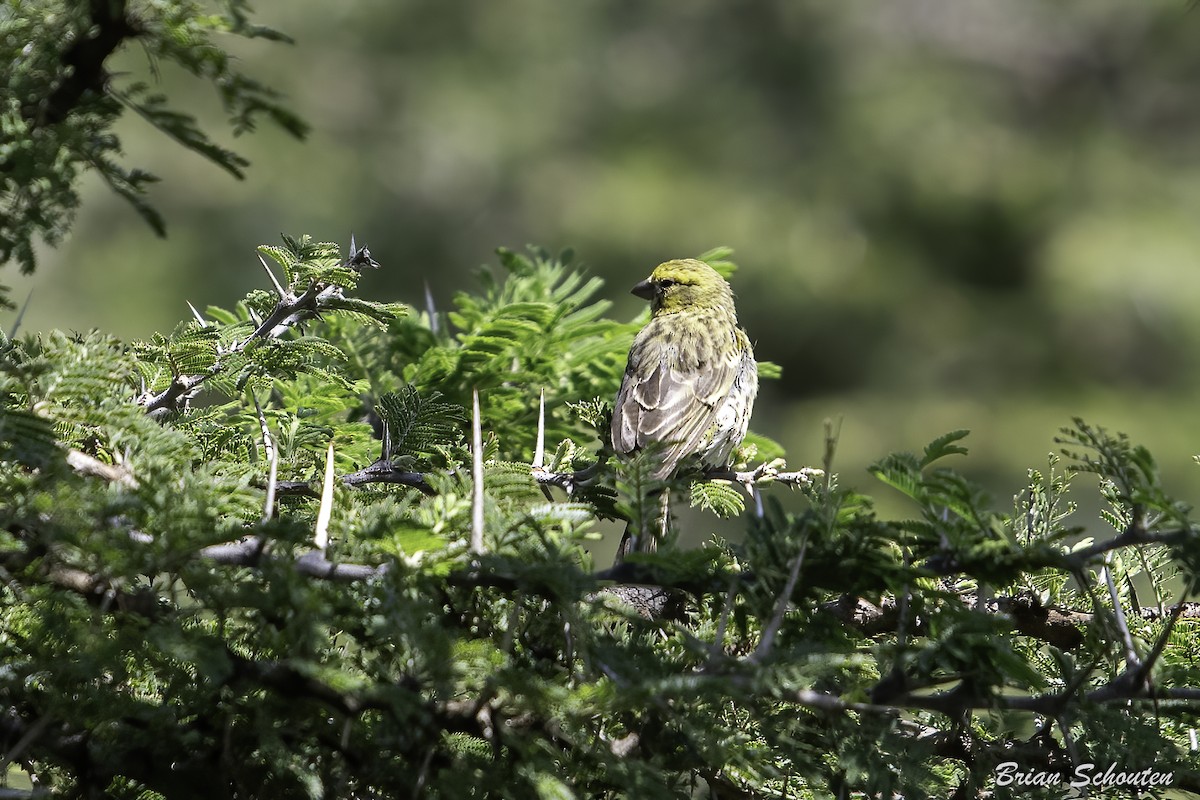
(765, 474)
(380, 472)
(643, 585)
(290, 311)
(250, 552)
(762, 475)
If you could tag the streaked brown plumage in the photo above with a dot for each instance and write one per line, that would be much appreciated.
(691, 379)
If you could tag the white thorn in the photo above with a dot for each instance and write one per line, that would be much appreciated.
(431, 309)
(539, 454)
(196, 314)
(476, 478)
(272, 483)
(326, 510)
(271, 275)
(254, 316)
(272, 458)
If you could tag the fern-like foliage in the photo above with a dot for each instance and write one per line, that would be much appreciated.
(417, 427)
(719, 497)
(536, 327)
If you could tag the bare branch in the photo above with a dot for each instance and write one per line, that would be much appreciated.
(1143, 671)
(102, 593)
(1061, 627)
(718, 644)
(29, 736)
(956, 702)
(84, 60)
(249, 553)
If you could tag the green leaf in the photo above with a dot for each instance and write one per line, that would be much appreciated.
(719, 497)
(944, 446)
(416, 423)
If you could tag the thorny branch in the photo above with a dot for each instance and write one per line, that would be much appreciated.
(381, 471)
(1062, 627)
(290, 311)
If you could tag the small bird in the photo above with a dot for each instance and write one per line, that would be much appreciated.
(691, 379)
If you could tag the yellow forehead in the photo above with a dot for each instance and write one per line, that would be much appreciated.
(684, 270)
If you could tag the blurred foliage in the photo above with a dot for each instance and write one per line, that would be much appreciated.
(172, 628)
(950, 213)
(61, 102)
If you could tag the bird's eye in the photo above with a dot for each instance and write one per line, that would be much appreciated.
(666, 283)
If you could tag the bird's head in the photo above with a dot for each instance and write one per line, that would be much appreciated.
(683, 284)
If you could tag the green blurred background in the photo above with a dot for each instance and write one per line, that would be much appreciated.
(948, 213)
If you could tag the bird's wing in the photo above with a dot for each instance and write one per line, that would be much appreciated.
(671, 398)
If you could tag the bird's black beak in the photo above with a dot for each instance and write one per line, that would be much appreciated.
(645, 290)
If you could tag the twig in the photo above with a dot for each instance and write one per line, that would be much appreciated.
(1064, 727)
(955, 702)
(102, 594)
(1143, 671)
(781, 603)
(570, 481)
(1130, 536)
(249, 553)
(766, 474)
(379, 472)
(314, 564)
(1131, 657)
(476, 477)
(16, 326)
